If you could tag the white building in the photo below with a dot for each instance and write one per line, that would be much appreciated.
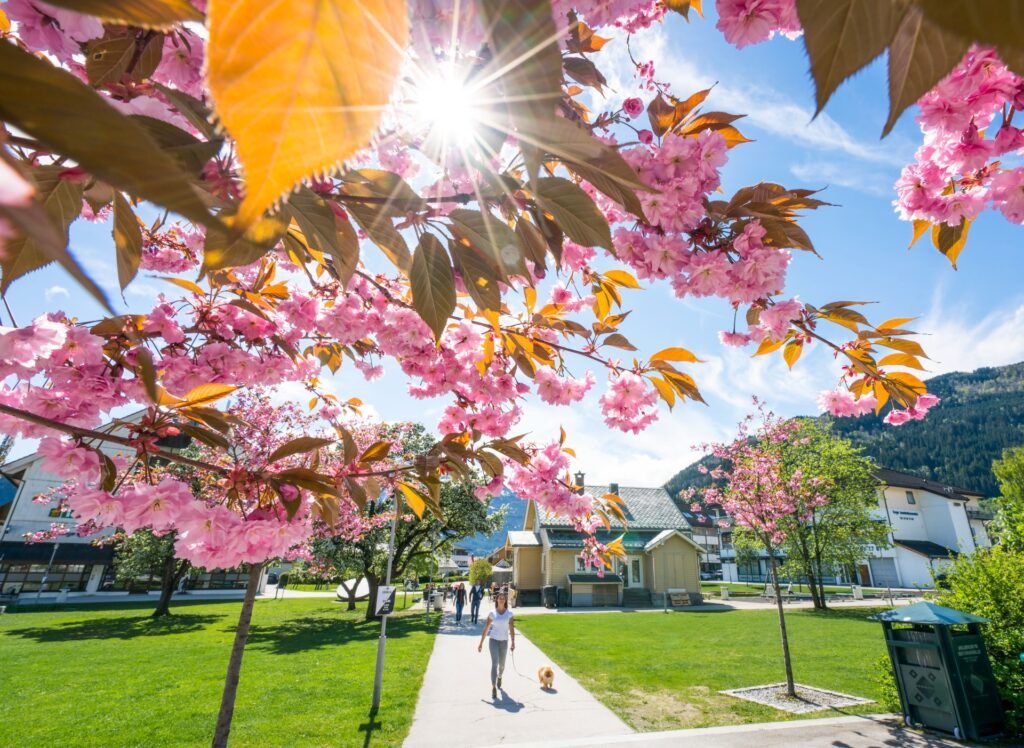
(69, 562)
(930, 524)
(455, 564)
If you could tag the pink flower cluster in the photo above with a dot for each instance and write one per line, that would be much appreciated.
(55, 30)
(916, 412)
(962, 140)
(556, 390)
(545, 480)
(630, 404)
(842, 404)
(745, 22)
(210, 536)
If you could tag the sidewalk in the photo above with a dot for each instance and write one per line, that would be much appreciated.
(455, 706)
(874, 731)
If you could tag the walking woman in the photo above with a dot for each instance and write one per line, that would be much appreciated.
(500, 630)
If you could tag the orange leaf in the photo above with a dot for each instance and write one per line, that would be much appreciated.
(300, 85)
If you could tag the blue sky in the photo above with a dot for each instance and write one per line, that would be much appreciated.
(971, 317)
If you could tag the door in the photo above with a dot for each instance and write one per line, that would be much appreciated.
(883, 572)
(865, 575)
(631, 569)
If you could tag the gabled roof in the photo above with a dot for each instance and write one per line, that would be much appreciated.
(645, 509)
(700, 519)
(906, 480)
(523, 539)
(664, 535)
(632, 540)
(927, 548)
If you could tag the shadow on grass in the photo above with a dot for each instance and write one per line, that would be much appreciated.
(836, 614)
(117, 628)
(316, 632)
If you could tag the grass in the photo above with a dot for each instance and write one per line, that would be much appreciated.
(111, 676)
(664, 671)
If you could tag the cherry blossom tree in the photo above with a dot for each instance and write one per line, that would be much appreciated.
(446, 195)
(766, 497)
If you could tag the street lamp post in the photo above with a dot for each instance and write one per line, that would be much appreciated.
(382, 640)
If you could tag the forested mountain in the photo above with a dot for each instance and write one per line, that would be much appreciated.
(981, 414)
(515, 513)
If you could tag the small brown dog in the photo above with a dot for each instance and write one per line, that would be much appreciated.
(546, 676)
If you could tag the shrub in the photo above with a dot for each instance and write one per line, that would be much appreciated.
(889, 695)
(990, 583)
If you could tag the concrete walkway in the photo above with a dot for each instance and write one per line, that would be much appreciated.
(455, 707)
(876, 731)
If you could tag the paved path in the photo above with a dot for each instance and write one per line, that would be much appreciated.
(882, 731)
(455, 707)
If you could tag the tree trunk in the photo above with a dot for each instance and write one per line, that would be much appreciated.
(790, 687)
(816, 562)
(373, 583)
(173, 572)
(351, 593)
(817, 595)
(227, 702)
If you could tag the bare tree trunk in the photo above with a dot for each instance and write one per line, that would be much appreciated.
(173, 572)
(351, 593)
(227, 702)
(373, 583)
(790, 687)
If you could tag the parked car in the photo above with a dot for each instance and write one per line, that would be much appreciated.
(711, 575)
(272, 578)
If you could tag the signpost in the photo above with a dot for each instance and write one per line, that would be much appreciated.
(385, 603)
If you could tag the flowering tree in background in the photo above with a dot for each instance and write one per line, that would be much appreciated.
(435, 187)
(761, 495)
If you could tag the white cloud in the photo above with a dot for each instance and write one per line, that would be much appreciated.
(955, 342)
(829, 173)
(54, 291)
(765, 107)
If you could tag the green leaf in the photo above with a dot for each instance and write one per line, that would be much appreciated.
(377, 225)
(146, 371)
(189, 107)
(36, 97)
(149, 58)
(534, 246)
(995, 23)
(842, 36)
(524, 41)
(316, 219)
(490, 237)
(574, 211)
(43, 228)
(376, 452)
(584, 71)
(145, 13)
(433, 284)
(107, 59)
(920, 55)
(298, 446)
(191, 153)
(478, 275)
(225, 248)
(127, 240)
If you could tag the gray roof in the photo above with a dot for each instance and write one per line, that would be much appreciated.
(645, 509)
(927, 548)
(521, 538)
(906, 480)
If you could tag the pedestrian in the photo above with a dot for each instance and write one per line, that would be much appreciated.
(460, 602)
(476, 596)
(500, 630)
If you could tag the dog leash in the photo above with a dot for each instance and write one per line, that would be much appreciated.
(512, 654)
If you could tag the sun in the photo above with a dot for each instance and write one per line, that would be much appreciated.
(446, 105)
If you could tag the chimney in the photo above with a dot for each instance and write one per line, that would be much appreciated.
(579, 478)
(613, 488)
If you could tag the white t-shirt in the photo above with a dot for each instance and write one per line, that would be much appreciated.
(499, 624)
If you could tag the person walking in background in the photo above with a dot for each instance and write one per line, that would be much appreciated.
(476, 596)
(460, 601)
(500, 631)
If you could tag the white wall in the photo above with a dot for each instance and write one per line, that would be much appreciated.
(915, 570)
(905, 518)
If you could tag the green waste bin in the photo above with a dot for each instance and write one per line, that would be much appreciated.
(942, 670)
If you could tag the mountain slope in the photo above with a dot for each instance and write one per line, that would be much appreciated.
(981, 414)
(515, 513)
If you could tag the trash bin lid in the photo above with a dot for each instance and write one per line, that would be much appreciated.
(927, 613)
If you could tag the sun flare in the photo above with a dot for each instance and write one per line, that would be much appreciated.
(446, 105)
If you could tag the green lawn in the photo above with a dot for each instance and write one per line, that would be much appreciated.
(110, 676)
(663, 671)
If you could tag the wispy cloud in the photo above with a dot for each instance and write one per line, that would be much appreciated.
(830, 173)
(958, 342)
(54, 292)
(766, 108)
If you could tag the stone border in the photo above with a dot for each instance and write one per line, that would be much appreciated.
(811, 699)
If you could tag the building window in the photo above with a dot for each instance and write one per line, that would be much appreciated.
(29, 577)
(910, 498)
(581, 566)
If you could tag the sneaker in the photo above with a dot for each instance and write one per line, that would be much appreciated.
(494, 692)
(499, 681)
